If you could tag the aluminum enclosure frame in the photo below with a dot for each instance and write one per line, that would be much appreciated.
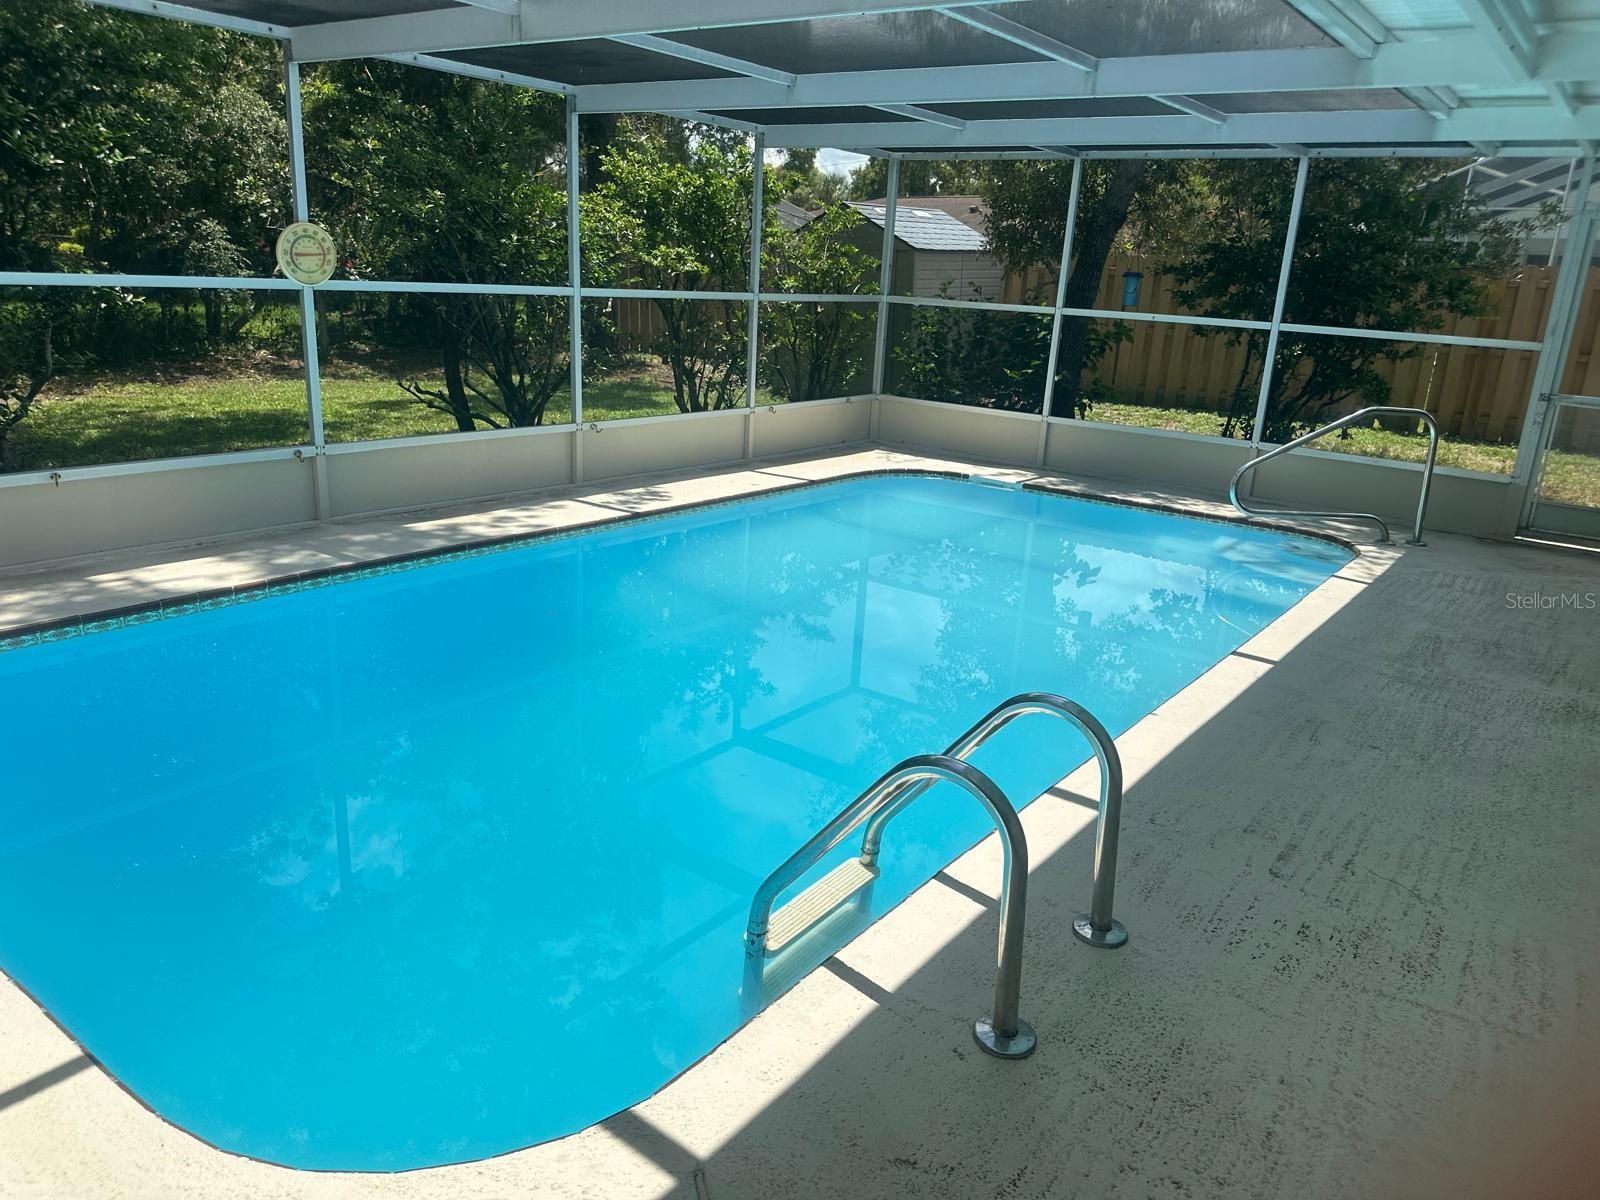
(1552, 56)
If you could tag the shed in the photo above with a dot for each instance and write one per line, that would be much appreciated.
(935, 252)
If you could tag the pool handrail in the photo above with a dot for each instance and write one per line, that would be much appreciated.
(1362, 414)
(1003, 1033)
(1097, 927)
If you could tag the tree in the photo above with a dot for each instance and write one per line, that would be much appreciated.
(814, 350)
(27, 361)
(918, 177)
(799, 159)
(1383, 244)
(427, 176)
(998, 360)
(130, 145)
(684, 225)
(122, 133)
(803, 183)
(1148, 205)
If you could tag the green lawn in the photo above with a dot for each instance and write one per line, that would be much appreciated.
(165, 414)
(170, 414)
(1569, 478)
(1491, 457)
(1572, 479)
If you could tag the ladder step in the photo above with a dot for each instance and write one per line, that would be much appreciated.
(819, 901)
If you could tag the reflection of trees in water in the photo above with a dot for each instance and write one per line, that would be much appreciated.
(988, 646)
(982, 639)
(701, 674)
(1182, 618)
(688, 679)
(682, 633)
(387, 845)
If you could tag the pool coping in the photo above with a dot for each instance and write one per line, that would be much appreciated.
(99, 619)
(179, 604)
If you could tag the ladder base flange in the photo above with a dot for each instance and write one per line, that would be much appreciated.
(1019, 1045)
(1109, 939)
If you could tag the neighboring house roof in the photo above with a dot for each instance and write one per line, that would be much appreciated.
(924, 228)
(791, 215)
(969, 210)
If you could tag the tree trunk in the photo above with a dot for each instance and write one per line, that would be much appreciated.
(455, 389)
(16, 401)
(1091, 244)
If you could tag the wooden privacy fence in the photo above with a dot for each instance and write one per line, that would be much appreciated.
(638, 323)
(1475, 392)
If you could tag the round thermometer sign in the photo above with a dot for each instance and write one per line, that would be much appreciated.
(305, 253)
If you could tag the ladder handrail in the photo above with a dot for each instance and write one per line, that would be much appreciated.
(1003, 1032)
(1421, 414)
(1096, 927)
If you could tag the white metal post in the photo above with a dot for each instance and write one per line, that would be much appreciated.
(308, 301)
(753, 325)
(575, 294)
(1567, 209)
(1556, 345)
(1277, 305)
(880, 349)
(1061, 300)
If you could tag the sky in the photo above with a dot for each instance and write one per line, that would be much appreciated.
(833, 162)
(839, 162)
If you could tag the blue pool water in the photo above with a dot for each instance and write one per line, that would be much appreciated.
(423, 866)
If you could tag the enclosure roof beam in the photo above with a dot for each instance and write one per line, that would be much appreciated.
(1458, 58)
(1504, 179)
(689, 114)
(707, 58)
(199, 16)
(1561, 96)
(453, 66)
(1437, 102)
(567, 20)
(1520, 188)
(923, 114)
(1188, 104)
(1346, 22)
(410, 33)
(1512, 123)
(1353, 26)
(1530, 197)
(1020, 35)
(1509, 30)
(1031, 154)
(1284, 150)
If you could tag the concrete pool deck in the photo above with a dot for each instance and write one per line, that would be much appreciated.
(1360, 860)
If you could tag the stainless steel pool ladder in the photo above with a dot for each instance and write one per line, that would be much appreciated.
(1003, 1033)
(1360, 415)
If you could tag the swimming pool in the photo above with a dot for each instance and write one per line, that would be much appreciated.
(431, 863)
